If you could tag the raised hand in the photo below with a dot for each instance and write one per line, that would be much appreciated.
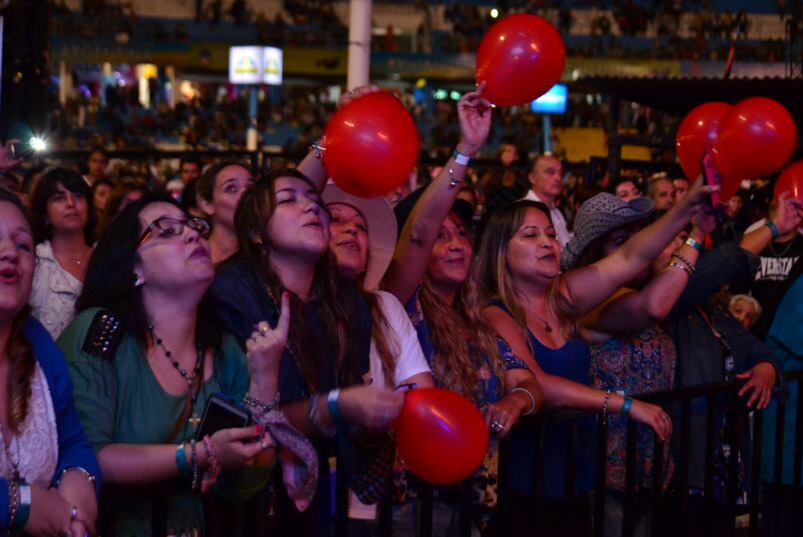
(474, 113)
(265, 346)
(787, 217)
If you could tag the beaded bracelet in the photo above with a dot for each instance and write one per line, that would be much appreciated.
(605, 406)
(194, 451)
(261, 406)
(317, 149)
(684, 268)
(686, 261)
(213, 466)
(13, 502)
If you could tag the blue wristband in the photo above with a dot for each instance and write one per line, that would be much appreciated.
(626, 406)
(332, 406)
(181, 461)
(773, 229)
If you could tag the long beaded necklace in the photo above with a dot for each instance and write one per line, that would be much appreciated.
(194, 419)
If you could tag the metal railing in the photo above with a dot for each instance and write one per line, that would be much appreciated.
(712, 394)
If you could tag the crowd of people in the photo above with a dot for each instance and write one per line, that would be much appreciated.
(284, 298)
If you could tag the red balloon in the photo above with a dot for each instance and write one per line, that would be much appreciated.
(697, 133)
(371, 145)
(791, 180)
(520, 58)
(756, 138)
(440, 435)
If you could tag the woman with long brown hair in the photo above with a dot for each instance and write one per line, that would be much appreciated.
(283, 237)
(430, 275)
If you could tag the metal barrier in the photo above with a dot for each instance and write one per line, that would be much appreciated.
(658, 496)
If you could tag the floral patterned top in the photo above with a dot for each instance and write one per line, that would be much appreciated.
(641, 363)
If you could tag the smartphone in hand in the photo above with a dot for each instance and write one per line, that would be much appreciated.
(222, 413)
(711, 177)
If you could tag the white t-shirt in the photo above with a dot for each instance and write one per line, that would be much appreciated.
(410, 361)
(402, 338)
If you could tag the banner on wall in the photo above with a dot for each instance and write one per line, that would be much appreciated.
(255, 65)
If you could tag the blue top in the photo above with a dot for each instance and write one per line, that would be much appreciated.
(74, 448)
(571, 361)
(787, 348)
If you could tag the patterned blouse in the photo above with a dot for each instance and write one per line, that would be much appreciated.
(641, 363)
(491, 391)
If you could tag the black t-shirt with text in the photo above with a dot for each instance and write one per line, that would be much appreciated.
(780, 266)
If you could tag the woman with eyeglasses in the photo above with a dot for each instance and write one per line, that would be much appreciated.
(64, 229)
(145, 355)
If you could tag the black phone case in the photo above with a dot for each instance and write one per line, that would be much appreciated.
(221, 412)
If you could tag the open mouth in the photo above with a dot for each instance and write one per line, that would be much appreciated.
(9, 276)
(199, 252)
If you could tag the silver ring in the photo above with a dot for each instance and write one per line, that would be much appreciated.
(263, 330)
(73, 513)
(496, 426)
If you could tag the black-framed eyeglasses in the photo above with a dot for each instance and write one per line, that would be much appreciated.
(172, 227)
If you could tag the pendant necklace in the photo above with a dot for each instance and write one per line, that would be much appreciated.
(194, 419)
(547, 328)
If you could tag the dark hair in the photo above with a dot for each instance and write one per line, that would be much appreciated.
(46, 188)
(123, 188)
(97, 149)
(21, 361)
(188, 196)
(337, 302)
(206, 182)
(104, 181)
(31, 176)
(190, 160)
(110, 277)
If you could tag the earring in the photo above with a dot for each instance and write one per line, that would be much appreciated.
(139, 282)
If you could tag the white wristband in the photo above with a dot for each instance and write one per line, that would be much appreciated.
(461, 159)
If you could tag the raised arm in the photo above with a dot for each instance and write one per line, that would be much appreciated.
(633, 311)
(785, 220)
(422, 227)
(312, 163)
(590, 286)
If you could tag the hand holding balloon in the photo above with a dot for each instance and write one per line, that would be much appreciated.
(474, 114)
